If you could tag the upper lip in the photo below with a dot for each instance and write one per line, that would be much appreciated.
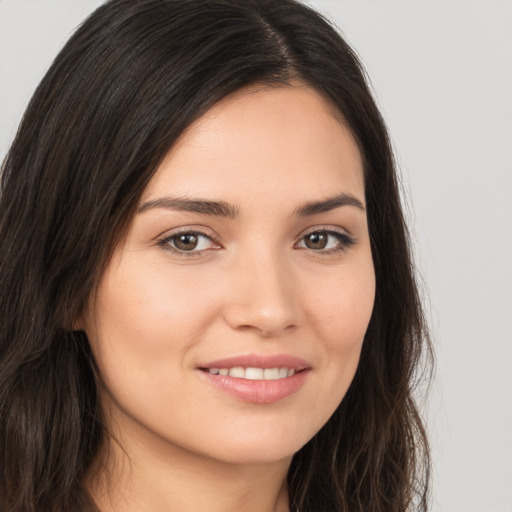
(259, 361)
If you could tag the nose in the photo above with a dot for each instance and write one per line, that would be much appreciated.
(262, 297)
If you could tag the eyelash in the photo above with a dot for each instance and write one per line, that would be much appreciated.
(344, 240)
(165, 243)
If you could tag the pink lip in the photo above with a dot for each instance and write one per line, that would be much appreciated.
(260, 361)
(258, 391)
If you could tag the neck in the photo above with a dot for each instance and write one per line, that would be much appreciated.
(162, 478)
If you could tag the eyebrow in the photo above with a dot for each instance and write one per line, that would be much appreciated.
(223, 209)
(328, 204)
(204, 207)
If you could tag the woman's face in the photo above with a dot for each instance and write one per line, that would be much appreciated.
(229, 322)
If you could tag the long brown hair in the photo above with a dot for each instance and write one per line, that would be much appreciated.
(116, 98)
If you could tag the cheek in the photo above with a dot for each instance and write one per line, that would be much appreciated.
(340, 312)
(146, 320)
(342, 306)
(145, 300)
(144, 326)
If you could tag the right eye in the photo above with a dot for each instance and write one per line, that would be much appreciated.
(188, 242)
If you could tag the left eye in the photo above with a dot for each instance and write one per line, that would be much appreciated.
(188, 242)
(325, 241)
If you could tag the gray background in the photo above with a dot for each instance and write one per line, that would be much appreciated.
(442, 75)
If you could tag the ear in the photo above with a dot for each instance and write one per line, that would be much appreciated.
(78, 323)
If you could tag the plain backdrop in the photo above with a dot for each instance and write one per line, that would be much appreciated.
(442, 75)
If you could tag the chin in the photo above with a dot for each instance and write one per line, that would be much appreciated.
(259, 446)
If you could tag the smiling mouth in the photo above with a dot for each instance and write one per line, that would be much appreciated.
(257, 379)
(251, 373)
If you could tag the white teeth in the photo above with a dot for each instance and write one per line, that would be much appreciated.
(238, 372)
(283, 372)
(254, 373)
(271, 373)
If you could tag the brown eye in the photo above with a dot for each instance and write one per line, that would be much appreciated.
(317, 240)
(190, 242)
(186, 242)
(326, 242)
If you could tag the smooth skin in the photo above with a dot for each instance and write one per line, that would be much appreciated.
(262, 274)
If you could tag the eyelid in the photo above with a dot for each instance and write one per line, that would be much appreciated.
(346, 239)
(163, 240)
(326, 228)
(192, 228)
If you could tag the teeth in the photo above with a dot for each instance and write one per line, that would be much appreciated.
(271, 373)
(254, 373)
(238, 372)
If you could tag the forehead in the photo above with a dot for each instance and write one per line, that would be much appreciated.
(261, 140)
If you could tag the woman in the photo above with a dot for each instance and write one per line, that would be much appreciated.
(207, 294)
